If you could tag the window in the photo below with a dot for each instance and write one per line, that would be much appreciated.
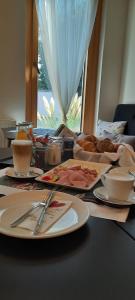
(34, 81)
(48, 110)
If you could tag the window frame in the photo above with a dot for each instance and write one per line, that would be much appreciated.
(31, 62)
(91, 69)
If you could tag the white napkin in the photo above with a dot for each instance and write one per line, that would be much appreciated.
(126, 156)
(7, 190)
(3, 171)
(105, 157)
(53, 214)
(106, 212)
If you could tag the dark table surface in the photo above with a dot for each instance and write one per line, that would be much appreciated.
(95, 262)
(129, 226)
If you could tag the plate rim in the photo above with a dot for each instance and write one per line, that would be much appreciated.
(117, 169)
(120, 203)
(106, 168)
(63, 232)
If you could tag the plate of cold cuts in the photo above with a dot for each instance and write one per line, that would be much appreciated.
(75, 174)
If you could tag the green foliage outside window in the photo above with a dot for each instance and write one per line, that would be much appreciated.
(43, 79)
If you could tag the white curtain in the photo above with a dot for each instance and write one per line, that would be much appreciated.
(66, 28)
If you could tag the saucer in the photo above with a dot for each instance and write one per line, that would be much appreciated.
(102, 195)
(34, 172)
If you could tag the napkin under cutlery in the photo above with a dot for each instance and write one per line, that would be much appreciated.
(54, 212)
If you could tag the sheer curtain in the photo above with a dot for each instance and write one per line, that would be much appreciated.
(66, 28)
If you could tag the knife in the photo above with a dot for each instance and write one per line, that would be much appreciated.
(41, 218)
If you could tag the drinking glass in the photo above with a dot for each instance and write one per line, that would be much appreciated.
(22, 154)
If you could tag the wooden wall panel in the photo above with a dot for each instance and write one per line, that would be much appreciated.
(91, 75)
(31, 62)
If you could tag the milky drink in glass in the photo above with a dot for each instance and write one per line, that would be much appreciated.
(22, 154)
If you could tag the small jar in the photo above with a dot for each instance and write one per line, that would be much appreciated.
(68, 144)
(30, 129)
(54, 154)
(40, 157)
(24, 131)
(56, 139)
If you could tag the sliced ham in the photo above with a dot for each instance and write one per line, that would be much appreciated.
(75, 176)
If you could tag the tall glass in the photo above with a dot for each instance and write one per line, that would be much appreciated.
(22, 154)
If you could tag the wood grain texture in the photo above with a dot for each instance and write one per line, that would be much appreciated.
(31, 62)
(91, 75)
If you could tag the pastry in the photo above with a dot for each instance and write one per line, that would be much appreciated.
(105, 146)
(91, 138)
(89, 146)
(96, 145)
(80, 142)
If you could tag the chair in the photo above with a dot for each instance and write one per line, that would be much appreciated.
(126, 112)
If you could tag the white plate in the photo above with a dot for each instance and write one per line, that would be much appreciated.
(101, 194)
(34, 172)
(72, 220)
(101, 168)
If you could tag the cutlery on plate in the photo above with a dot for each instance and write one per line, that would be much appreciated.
(25, 215)
(41, 218)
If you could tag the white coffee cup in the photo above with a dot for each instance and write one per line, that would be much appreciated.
(22, 154)
(118, 187)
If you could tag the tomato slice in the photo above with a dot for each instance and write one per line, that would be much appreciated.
(46, 177)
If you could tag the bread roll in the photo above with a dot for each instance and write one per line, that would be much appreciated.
(89, 146)
(80, 142)
(92, 144)
(105, 146)
(91, 138)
